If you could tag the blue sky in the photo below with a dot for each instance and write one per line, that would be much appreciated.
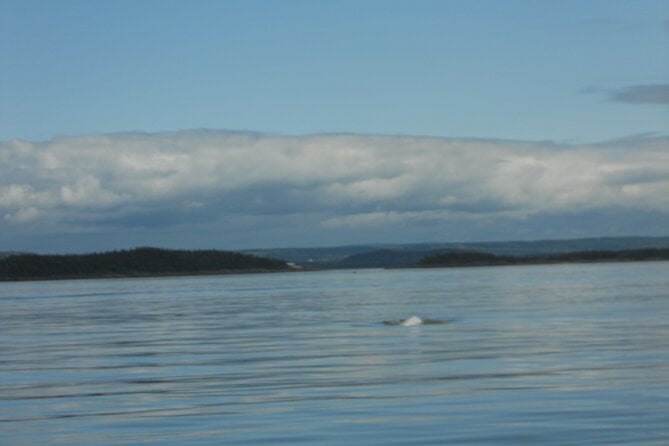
(570, 75)
(509, 69)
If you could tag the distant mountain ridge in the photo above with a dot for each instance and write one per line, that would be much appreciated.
(398, 255)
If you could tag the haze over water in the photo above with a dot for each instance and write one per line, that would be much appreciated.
(558, 354)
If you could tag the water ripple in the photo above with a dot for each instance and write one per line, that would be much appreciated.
(303, 358)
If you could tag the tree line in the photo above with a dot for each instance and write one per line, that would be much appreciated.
(473, 258)
(135, 262)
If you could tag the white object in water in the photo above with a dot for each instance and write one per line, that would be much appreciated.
(412, 321)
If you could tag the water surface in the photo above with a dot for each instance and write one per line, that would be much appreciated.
(552, 354)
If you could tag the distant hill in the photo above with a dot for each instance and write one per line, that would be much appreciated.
(386, 258)
(133, 263)
(389, 255)
(312, 256)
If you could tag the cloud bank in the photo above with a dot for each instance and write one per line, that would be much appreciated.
(225, 180)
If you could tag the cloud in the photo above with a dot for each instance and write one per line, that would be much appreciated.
(23, 215)
(247, 180)
(643, 94)
(635, 94)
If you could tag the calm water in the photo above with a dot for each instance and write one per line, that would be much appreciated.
(566, 354)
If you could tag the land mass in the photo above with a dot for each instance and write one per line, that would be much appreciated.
(469, 258)
(142, 262)
(138, 262)
(406, 255)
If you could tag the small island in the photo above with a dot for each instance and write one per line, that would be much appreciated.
(138, 262)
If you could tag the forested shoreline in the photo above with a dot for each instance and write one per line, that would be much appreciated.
(147, 262)
(472, 258)
(138, 262)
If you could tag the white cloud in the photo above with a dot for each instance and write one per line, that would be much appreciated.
(23, 215)
(14, 196)
(349, 179)
(87, 192)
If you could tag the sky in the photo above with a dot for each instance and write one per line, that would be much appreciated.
(250, 124)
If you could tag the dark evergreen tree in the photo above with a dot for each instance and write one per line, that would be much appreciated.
(135, 262)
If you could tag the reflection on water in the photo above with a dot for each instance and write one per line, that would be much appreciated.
(562, 354)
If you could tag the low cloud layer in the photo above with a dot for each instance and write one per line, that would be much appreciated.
(93, 183)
